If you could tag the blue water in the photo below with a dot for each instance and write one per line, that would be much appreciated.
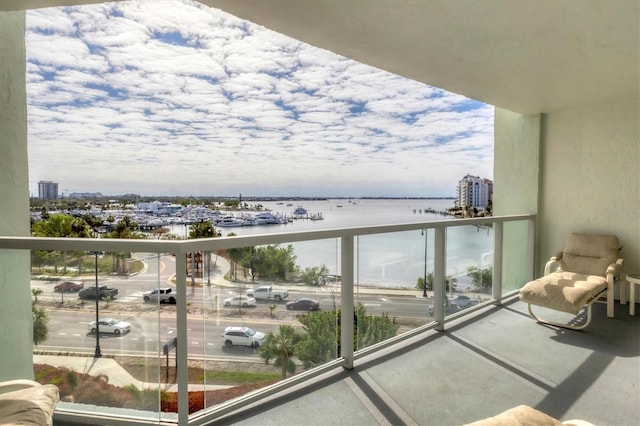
(389, 260)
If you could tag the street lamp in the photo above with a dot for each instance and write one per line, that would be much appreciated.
(97, 353)
(424, 289)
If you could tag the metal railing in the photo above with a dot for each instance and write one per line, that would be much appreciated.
(346, 237)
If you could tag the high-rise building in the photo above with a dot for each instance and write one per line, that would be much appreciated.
(474, 191)
(47, 190)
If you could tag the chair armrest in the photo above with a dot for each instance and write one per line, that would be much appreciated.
(550, 262)
(615, 267)
(14, 385)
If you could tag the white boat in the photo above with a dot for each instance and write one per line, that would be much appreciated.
(268, 218)
(299, 211)
(229, 222)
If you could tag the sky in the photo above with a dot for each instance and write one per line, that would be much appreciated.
(175, 98)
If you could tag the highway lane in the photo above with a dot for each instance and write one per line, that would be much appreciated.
(68, 332)
(150, 330)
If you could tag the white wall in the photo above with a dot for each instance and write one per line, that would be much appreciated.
(591, 176)
(15, 304)
(578, 170)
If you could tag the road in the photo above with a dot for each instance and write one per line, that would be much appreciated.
(153, 327)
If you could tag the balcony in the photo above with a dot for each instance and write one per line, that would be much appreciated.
(443, 366)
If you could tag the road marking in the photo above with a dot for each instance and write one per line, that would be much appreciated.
(374, 305)
(195, 343)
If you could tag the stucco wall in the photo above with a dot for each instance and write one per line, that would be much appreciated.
(15, 304)
(590, 178)
(515, 189)
(578, 170)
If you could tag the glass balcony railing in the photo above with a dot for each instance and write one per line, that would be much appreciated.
(184, 327)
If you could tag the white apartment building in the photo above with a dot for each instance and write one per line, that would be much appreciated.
(474, 191)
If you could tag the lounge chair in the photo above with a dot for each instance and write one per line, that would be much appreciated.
(588, 266)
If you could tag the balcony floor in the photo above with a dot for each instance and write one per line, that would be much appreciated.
(486, 363)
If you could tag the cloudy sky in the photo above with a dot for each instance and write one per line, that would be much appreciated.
(174, 98)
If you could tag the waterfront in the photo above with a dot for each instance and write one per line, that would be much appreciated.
(389, 260)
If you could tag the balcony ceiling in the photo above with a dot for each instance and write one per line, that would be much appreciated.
(528, 57)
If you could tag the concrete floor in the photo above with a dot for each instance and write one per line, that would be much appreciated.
(478, 367)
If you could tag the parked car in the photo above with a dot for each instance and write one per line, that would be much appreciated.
(463, 301)
(68, 286)
(110, 325)
(304, 304)
(242, 336)
(243, 301)
(449, 308)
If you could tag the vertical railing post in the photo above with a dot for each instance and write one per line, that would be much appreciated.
(346, 302)
(498, 228)
(439, 279)
(181, 348)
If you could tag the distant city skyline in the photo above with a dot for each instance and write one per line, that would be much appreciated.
(178, 99)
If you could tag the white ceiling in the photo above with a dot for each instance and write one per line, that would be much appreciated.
(526, 56)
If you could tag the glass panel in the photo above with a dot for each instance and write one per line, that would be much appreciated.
(263, 304)
(469, 266)
(102, 351)
(515, 258)
(389, 291)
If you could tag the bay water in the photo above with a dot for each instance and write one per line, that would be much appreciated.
(395, 260)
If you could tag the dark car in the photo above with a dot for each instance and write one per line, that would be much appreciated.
(463, 301)
(304, 304)
(68, 286)
(449, 308)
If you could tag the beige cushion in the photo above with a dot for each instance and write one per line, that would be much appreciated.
(589, 254)
(523, 415)
(29, 406)
(563, 291)
(520, 415)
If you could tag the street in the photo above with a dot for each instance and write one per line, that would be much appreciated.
(152, 325)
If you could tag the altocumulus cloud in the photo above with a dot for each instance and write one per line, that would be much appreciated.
(174, 98)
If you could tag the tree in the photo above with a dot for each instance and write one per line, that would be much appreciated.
(125, 229)
(274, 262)
(280, 346)
(204, 229)
(321, 343)
(36, 292)
(40, 324)
(371, 329)
(450, 280)
(314, 276)
(481, 280)
(420, 283)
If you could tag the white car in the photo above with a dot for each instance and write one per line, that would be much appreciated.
(243, 301)
(242, 336)
(110, 325)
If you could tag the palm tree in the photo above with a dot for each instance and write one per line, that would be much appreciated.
(279, 347)
(36, 292)
(40, 320)
(204, 229)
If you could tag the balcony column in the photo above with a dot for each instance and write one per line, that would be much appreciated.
(16, 348)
